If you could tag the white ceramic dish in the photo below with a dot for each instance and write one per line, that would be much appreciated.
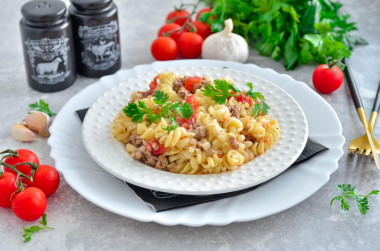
(110, 193)
(112, 157)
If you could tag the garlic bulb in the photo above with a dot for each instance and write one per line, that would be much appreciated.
(39, 122)
(225, 45)
(21, 133)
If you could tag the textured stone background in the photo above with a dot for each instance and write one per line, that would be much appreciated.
(81, 225)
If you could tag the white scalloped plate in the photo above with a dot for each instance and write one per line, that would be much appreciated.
(112, 157)
(110, 193)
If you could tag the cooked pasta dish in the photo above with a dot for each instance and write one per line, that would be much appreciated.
(195, 125)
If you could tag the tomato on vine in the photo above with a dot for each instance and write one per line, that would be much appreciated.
(7, 188)
(20, 156)
(29, 204)
(178, 16)
(170, 30)
(204, 10)
(190, 44)
(45, 178)
(164, 48)
(328, 77)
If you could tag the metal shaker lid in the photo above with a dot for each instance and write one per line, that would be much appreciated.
(43, 10)
(90, 4)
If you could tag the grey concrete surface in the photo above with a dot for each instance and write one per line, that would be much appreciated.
(81, 225)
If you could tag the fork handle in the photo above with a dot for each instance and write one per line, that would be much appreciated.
(375, 110)
(353, 88)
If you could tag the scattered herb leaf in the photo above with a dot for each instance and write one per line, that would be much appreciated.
(348, 193)
(42, 106)
(29, 231)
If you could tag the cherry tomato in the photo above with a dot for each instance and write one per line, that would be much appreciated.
(177, 16)
(190, 82)
(169, 27)
(204, 10)
(25, 155)
(29, 204)
(326, 79)
(7, 188)
(190, 44)
(45, 178)
(164, 48)
(192, 100)
(153, 85)
(203, 29)
(155, 147)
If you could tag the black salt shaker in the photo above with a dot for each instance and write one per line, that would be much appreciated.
(96, 37)
(48, 45)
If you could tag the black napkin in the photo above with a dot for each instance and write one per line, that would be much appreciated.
(161, 201)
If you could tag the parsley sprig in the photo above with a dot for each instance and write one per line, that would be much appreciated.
(222, 90)
(163, 109)
(42, 106)
(348, 193)
(29, 231)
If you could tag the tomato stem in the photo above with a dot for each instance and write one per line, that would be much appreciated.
(186, 23)
(331, 62)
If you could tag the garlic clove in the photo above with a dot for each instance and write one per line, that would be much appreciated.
(39, 122)
(21, 133)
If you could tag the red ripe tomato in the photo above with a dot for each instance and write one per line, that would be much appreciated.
(45, 178)
(203, 29)
(327, 79)
(204, 10)
(190, 82)
(190, 44)
(7, 188)
(25, 155)
(177, 16)
(153, 85)
(164, 48)
(29, 204)
(155, 147)
(170, 27)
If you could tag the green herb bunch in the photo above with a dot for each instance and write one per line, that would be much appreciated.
(299, 31)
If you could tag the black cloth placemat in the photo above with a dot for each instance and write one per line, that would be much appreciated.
(161, 201)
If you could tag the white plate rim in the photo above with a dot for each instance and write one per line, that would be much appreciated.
(334, 140)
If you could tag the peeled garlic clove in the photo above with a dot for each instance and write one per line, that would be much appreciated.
(21, 133)
(39, 122)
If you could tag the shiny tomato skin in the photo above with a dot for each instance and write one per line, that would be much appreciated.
(190, 82)
(203, 29)
(326, 79)
(7, 188)
(25, 155)
(204, 10)
(29, 204)
(45, 178)
(169, 27)
(177, 16)
(190, 45)
(164, 48)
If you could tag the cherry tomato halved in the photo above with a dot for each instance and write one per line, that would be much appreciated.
(155, 147)
(190, 82)
(25, 155)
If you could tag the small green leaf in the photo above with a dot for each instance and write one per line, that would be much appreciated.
(42, 106)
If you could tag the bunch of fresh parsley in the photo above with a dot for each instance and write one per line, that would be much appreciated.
(163, 109)
(222, 90)
(300, 31)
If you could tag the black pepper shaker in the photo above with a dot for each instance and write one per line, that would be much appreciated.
(96, 37)
(47, 39)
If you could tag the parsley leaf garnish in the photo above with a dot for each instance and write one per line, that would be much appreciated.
(222, 90)
(163, 109)
(29, 231)
(42, 106)
(348, 193)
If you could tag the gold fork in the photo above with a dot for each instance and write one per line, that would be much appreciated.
(365, 143)
(371, 124)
